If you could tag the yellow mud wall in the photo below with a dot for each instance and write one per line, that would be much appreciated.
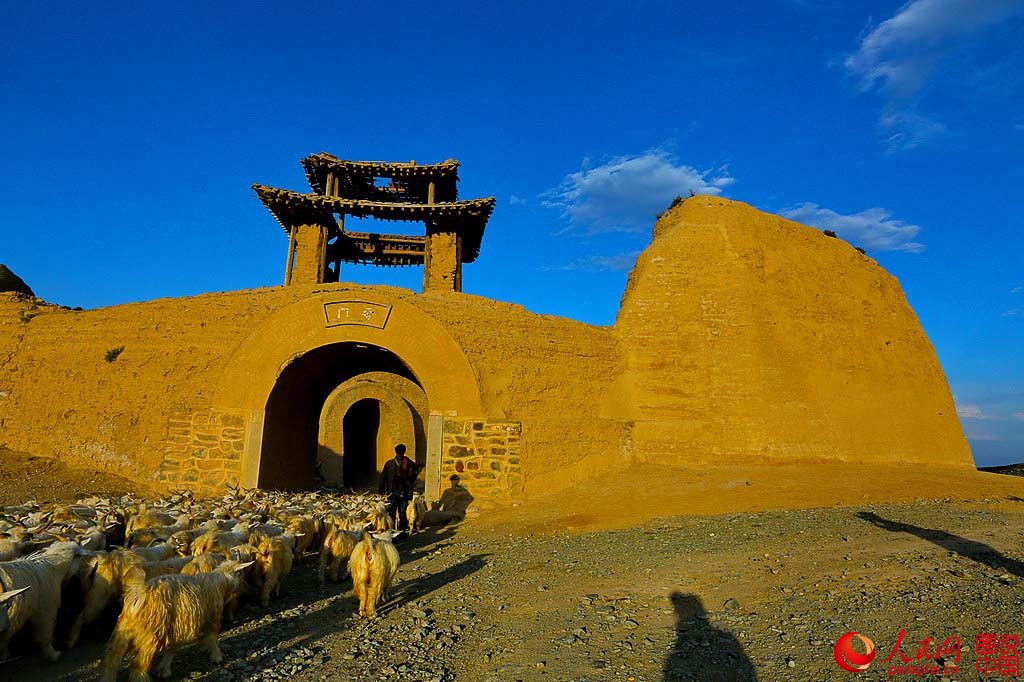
(552, 374)
(62, 398)
(755, 339)
(66, 400)
(742, 338)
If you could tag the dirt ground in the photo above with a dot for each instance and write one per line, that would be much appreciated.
(604, 586)
(23, 477)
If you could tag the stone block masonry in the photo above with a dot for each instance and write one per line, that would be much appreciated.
(485, 455)
(202, 451)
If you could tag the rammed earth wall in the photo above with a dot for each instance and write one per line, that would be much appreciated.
(60, 397)
(485, 457)
(742, 338)
(202, 450)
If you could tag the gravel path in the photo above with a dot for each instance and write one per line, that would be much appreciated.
(729, 597)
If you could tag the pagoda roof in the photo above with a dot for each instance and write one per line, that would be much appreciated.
(356, 178)
(467, 217)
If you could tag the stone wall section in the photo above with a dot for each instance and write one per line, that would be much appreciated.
(202, 451)
(485, 455)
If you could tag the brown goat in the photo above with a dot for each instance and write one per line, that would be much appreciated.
(182, 540)
(144, 537)
(144, 518)
(415, 512)
(306, 531)
(251, 578)
(378, 518)
(275, 559)
(164, 614)
(171, 566)
(373, 566)
(204, 563)
(219, 541)
(335, 553)
(103, 580)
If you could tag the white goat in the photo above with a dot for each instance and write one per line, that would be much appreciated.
(45, 572)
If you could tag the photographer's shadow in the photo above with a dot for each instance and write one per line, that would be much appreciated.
(702, 652)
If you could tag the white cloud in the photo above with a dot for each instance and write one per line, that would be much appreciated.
(515, 200)
(626, 193)
(900, 55)
(909, 129)
(1017, 290)
(873, 229)
(1013, 312)
(1018, 416)
(970, 412)
(620, 262)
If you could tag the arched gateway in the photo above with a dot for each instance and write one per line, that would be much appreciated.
(339, 350)
(363, 420)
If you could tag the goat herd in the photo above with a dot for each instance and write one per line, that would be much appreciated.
(181, 565)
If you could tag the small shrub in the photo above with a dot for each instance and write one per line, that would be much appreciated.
(113, 353)
(675, 202)
(830, 233)
(862, 251)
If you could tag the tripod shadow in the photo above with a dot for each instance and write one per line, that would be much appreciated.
(972, 549)
(702, 652)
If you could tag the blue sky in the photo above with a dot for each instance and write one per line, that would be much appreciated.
(133, 131)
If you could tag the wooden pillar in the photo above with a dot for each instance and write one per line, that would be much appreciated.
(310, 254)
(341, 229)
(291, 257)
(442, 261)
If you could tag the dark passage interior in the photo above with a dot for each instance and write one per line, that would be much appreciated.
(361, 425)
(291, 419)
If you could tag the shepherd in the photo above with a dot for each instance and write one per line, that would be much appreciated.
(396, 481)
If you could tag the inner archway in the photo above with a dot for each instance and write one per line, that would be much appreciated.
(361, 430)
(400, 418)
(291, 447)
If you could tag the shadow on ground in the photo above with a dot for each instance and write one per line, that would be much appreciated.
(972, 549)
(702, 652)
(427, 541)
(419, 587)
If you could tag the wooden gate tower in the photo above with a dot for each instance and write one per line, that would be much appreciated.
(315, 222)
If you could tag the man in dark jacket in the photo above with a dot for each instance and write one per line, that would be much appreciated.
(396, 482)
